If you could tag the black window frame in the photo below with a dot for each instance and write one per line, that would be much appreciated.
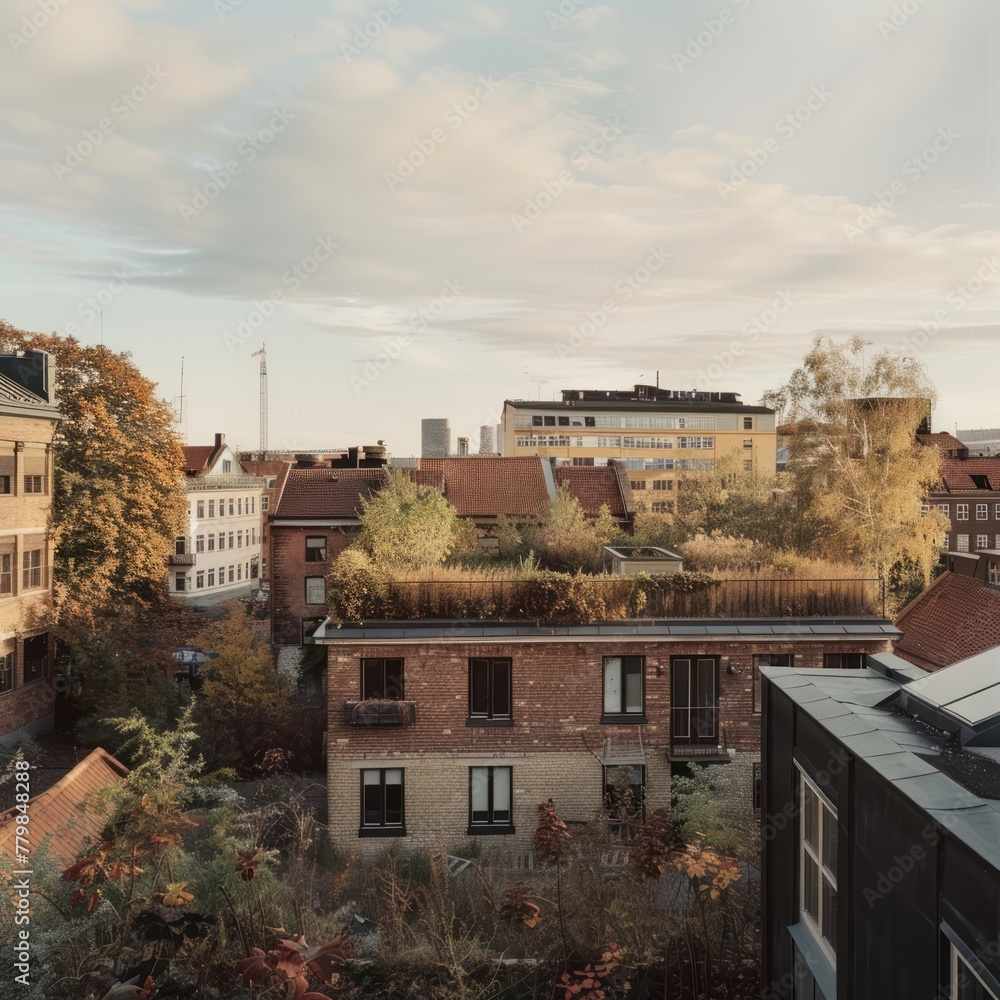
(491, 826)
(382, 829)
(382, 664)
(536, 421)
(490, 715)
(625, 822)
(694, 714)
(39, 668)
(7, 662)
(623, 715)
(858, 661)
(758, 662)
(7, 485)
(323, 552)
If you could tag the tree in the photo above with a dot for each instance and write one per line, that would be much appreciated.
(407, 526)
(118, 500)
(860, 474)
(566, 540)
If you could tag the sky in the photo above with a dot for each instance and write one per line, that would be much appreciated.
(425, 208)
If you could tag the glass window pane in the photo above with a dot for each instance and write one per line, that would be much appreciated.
(830, 913)
(612, 685)
(830, 841)
(810, 887)
(371, 777)
(372, 685)
(394, 679)
(479, 687)
(393, 803)
(372, 802)
(809, 807)
(501, 689)
(501, 794)
(706, 683)
(394, 776)
(633, 685)
(480, 794)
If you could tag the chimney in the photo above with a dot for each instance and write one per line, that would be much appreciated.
(220, 440)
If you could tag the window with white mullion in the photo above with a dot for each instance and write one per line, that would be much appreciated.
(966, 983)
(818, 865)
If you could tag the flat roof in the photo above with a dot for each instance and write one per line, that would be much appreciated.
(652, 630)
(859, 709)
(680, 406)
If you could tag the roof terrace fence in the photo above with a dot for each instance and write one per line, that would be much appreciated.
(579, 600)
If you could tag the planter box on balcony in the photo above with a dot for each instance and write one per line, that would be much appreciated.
(380, 713)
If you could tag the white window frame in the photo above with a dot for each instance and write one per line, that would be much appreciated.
(994, 574)
(982, 542)
(982, 511)
(960, 966)
(945, 509)
(961, 512)
(825, 876)
(961, 543)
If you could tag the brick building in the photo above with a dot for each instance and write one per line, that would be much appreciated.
(443, 731)
(28, 419)
(317, 516)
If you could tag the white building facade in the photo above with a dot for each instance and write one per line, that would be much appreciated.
(220, 556)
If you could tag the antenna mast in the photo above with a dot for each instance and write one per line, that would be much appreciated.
(180, 414)
(262, 354)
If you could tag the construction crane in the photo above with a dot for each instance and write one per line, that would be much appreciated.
(262, 354)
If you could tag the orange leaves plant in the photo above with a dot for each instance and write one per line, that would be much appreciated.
(292, 964)
(598, 980)
(714, 871)
(517, 906)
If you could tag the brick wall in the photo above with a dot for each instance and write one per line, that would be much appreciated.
(557, 738)
(289, 570)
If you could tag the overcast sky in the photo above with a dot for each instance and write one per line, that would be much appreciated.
(436, 194)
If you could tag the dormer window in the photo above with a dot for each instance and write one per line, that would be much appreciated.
(227, 466)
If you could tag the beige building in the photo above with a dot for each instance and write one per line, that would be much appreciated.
(28, 419)
(656, 433)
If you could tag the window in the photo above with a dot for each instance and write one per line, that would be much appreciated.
(201, 509)
(961, 512)
(490, 800)
(382, 678)
(316, 548)
(315, 590)
(252, 501)
(32, 566)
(180, 546)
(748, 442)
(6, 671)
(536, 421)
(663, 507)
(996, 511)
(624, 797)
(232, 507)
(180, 581)
(663, 484)
(33, 484)
(6, 574)
(843, 661)
(982, 511)
(5, 484)
(227, 467)
(211, 508)
(818, 840)
(623, 685)
(980, 482)
(239, 506)
(748, 423)
(239, 539)
(35, 467)
(199, 543)
(211, 542)
(490, 690)
(211, 577)
(945, 509)
(263, 502)
(982, 541)
(382, 803)
(946, 541)
(232, 570)
(564, 421)
(230, 539)
(199, 580)
(589, 421)
(36, 657)
(550, 421)
(994, 574)
(962, 543)
(694, 689)
(638, 484)
(239, 571)
(966, 983)
(748, 465)
(271, 481)
(767, 660)
(925, 509)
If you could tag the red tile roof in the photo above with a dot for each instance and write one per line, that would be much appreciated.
(488, 487)
(596, 485)
(946, 442)
(327, 492)
(67, 814)
(956, 617)
(956, 473)
(197, 456)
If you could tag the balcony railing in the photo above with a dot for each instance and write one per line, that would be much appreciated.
(380, 713)
(182, 559)
(230, 482)
(594, 599)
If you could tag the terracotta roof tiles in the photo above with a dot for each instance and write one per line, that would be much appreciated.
(325, 493)
(488, 487)
(594, 486)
